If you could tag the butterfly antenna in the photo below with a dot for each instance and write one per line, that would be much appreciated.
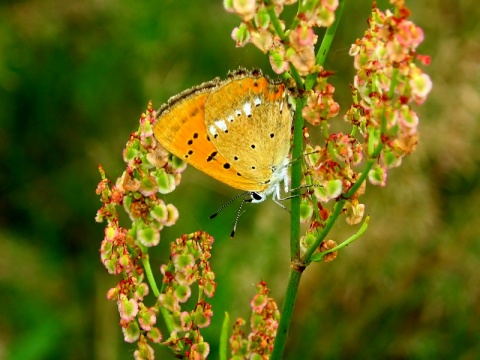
(303, 155)
(299, 158)
(239, 213)
(296, 195)
(228, 203)
(300, 188)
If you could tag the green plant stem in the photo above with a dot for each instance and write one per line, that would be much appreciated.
(296, 176)
(362, 176)
(151, 280)
(325, 45)
(329, 35)
(274, 19)
(298, 266)
(316, 211)
(296, 76)
(295, 273)
(287, 312)
(224, 337)
(150, 277)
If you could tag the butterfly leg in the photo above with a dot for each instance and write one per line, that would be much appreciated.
(277, 198)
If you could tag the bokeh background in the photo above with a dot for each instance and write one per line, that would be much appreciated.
(74, 78)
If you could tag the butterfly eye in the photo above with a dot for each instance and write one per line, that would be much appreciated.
(256, 196)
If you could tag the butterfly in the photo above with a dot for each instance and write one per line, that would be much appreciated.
(236, 130)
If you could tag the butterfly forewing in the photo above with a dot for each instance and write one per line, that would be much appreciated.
(180, 128)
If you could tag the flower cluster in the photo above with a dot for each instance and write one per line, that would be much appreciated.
(330, 170)
(320, 105)
(149, 171)
(120, 253)
(262, 27)
(387, 83)
(258, 344)
(136, 191)
(189, 264)
(384, 126)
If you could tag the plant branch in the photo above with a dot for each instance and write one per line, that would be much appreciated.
(319, 256)
(296, 176)
(149, 273)
(287, 312)
(298, 267)
(274, 19)
(151, 280)
(329, 35)
(325, 45)
(295, 272)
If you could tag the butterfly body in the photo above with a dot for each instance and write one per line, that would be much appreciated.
(237, 131)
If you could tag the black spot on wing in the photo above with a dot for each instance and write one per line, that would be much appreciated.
(212, 156)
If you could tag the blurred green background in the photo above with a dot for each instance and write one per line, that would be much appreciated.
(74, 78)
